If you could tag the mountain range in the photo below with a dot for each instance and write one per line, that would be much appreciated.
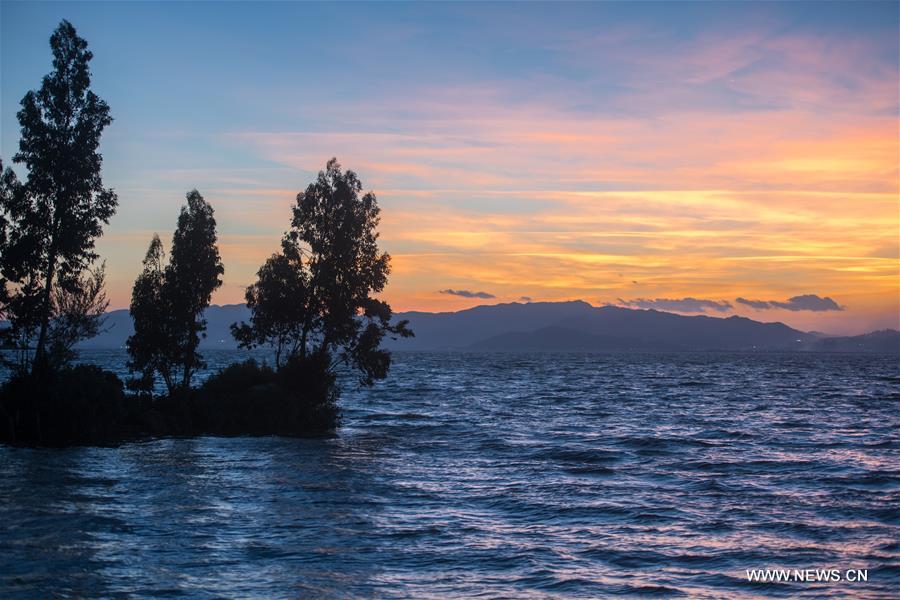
(574, 326)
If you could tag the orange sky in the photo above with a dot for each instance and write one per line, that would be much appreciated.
(750, 151)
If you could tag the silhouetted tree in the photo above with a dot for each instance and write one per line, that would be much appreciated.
(151, 347)
(167, 304)
(55, 216)
(278, 305)
(19, 299)
(78, 306)
(195, 271)
(315, 297)
(9, 186)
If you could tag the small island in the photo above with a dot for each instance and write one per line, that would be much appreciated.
(314, 303)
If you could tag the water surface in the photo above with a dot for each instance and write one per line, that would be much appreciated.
(491, 475)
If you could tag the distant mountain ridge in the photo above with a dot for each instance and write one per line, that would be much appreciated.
(574, 326)
(885, 341)
(119, 326)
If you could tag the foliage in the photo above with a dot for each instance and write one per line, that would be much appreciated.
(79, 305)
(9, 186)
(315, 297)
(278, 305)
(69, 405)
(248, 398)
(55, 216)
(195, 271)
(150, 348)
(167, 303)
(314, 301)
(86, 405)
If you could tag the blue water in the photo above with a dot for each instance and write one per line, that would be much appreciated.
(495, 476)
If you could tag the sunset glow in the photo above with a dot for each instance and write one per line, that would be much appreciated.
(596, 156)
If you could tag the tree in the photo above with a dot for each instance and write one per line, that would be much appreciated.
(315, 298)
(79, 305)
(277, 302)
(167, 304)
(9, 187)
(56, 215)
(195, 271)
(150, 348)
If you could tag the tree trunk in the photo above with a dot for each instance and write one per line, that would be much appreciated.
(40, 353)
(303, 341)
(186, 377)
(192, 343)
(167, 379)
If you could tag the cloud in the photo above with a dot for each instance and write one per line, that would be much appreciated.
(678, 304)
(467, 294)
(810, 302)
(775, 161)
(525, 298)
(757, 304)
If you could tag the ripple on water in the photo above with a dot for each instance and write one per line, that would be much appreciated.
(491, 475)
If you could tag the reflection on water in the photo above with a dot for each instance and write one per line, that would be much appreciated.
(502, 475)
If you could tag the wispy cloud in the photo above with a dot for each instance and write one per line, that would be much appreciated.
(467, 294)
(810, 302)
(686, 305)
(703, 152)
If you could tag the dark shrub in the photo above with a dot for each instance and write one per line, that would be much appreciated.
(239, 376)
(310, 378)
(252, 399)
(73, 405)
(85, 405)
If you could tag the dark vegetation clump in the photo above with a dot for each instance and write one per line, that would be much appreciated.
(86, 405)
(73, 405)
(313, 302)
(246, 398)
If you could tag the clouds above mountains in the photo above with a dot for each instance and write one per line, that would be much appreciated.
(675, 155)
(689, 305)
(467, 294)
(805, 302)
(810, 302)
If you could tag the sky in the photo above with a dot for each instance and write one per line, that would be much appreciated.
(705, 158)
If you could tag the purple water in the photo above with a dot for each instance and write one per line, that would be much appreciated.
(492, 475)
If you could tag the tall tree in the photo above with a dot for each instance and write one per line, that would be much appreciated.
(195, 271)
(151, 347)
(316, 296)
(9, 187)
(61, 208)
(278, 305)
(168, 303)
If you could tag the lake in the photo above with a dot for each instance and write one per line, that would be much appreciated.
(492, 475)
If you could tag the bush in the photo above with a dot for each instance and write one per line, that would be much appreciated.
(85, 405)
(72, 405)
(252, 399)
